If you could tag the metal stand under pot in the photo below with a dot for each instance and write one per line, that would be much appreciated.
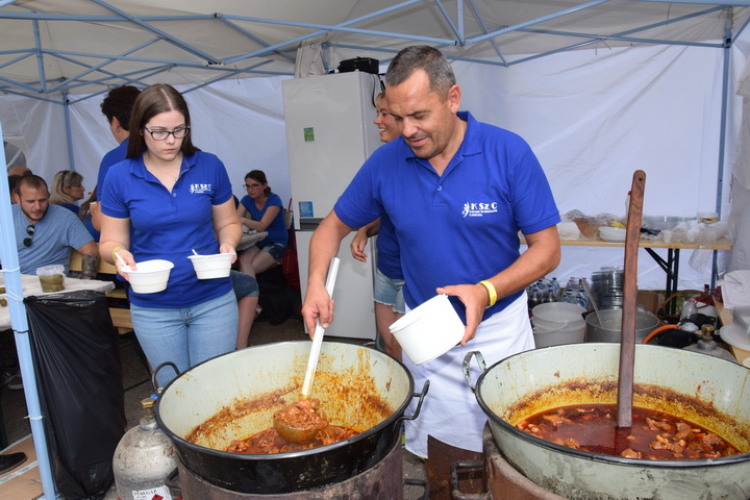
(384, 481)
(501, 480)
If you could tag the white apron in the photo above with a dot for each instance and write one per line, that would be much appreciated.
(450, 412)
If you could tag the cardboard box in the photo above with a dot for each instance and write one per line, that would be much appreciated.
(23, 482)
(650, 300)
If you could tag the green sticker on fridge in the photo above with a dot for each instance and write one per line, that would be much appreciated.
(309, 134)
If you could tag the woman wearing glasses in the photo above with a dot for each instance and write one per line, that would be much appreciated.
(166, 199)
(262, 210)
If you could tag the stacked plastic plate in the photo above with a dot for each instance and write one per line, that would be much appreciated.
(607, 287)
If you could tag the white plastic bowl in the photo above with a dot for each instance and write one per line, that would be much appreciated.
(150, 276)
(212, 266)
(429, 330)
(612, 234)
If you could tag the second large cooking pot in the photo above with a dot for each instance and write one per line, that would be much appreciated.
(233, 396)
(706, 390)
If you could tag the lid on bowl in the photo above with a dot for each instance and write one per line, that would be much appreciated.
(50, 270)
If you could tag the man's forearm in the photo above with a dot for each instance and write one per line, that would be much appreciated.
(89, 265)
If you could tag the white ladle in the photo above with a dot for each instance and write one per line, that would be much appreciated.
(303, 434)
(312, 362)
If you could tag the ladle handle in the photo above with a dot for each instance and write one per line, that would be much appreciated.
(312, 362)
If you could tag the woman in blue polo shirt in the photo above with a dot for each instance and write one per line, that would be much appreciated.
(262, 210)
(166, 199)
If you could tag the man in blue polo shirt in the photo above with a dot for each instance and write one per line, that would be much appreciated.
(458, 192)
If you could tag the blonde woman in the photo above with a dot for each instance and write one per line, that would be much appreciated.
(67, 189)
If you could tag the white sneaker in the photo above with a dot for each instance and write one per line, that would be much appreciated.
(5, 377)
(16, 382)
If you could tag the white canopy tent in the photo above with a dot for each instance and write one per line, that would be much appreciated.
(599, 89)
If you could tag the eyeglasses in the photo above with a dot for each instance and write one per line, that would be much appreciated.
(252, 186)
(30, 231)
(161, 134)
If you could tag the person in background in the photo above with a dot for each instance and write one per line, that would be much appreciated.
(262, 210)
(67, 189)
(19, 170)
(458, 192)
(247, 292)
(45, 232)
(117, 107)
(165, 200)
(86, 214)
(389, 280)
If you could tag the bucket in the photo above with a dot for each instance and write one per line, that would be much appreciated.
(544, 337)
(610, 328)
(429, 330)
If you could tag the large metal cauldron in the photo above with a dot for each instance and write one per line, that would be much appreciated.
(707, 390)
(235, 395)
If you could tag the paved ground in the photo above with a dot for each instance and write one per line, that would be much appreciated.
(138, 386)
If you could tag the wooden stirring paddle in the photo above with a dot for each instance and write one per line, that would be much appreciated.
(630, 302)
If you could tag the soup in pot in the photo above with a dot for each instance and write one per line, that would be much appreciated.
(654, 435)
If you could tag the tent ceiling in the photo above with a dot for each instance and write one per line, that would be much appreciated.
(55, 47)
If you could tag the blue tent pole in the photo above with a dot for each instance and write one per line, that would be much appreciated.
(725, 103)
(14, 293)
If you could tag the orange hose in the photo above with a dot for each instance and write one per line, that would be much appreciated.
(657, 331)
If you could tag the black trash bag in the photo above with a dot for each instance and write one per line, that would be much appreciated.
(275, 297)
(79, 376)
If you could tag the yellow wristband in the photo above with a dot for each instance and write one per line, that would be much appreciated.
(114, 251)
(491, 290)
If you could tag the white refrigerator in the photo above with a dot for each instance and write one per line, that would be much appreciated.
(330, 132)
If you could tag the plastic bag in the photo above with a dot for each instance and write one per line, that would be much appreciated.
(79, 376)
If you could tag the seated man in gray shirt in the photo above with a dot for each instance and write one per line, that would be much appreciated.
(45, 233)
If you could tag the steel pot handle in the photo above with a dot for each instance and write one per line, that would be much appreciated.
(467, 364)
(154, 383)
(463, 464)
(419, 482)
(421, 396)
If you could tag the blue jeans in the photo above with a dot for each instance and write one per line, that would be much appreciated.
(186, 336)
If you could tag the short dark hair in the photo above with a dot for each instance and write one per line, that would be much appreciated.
(32, 181)
(428, 59)
(156, 99)
(119, 104)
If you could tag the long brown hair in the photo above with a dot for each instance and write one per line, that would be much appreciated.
(153, 100)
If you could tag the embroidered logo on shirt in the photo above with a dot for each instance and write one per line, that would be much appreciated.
(478, 209)
(200, 188)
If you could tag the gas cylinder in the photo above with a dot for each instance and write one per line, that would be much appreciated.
(707, 345)
(143, 459)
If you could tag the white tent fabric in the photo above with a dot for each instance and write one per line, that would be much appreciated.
(85, 46)
(592, 117)
(624, 85)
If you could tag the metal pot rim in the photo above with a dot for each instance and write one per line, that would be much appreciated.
(598, 457)
(294, 454)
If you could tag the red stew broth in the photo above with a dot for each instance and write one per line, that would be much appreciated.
(653, 436)
(269, 441)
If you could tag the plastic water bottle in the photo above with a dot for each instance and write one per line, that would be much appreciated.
(556, 287)
(535, 298)
(550, 296)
